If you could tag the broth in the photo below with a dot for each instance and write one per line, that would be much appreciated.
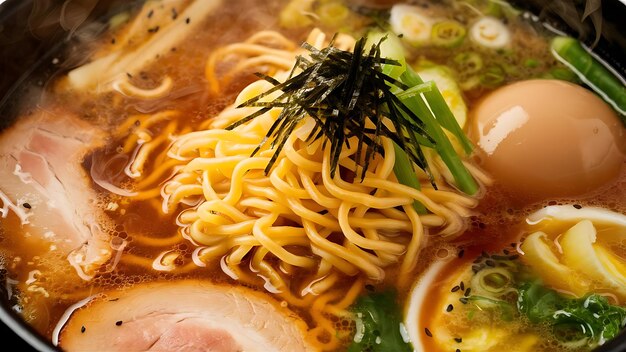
(141, 231)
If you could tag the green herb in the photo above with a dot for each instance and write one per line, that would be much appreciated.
(403, 169)
(343, 91)
(435, 115)
(378, 321)
(570, 52)
(448, 34)
(468, 62)
(492, 77)
(506, 309)
(587, 321)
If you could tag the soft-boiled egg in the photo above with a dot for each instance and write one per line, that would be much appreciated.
(548, 138)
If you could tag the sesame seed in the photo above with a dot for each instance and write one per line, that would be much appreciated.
(461, 253)
(82, 329)
(463, 300)
(462, 286)
(153, 29)
(455, 288)
(458, 339)
(187, 20)
(118, 323)
(150, 13)
(449, 308)
(490, 263)
(428, 333)
(578, 206)
(27, 206)
(468, 291)
(457, 350)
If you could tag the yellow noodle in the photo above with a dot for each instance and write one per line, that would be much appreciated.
(125, 87)
(156, 241)
(296, 219)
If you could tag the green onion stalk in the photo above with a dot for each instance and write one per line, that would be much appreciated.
(412, 99)
(593, 73)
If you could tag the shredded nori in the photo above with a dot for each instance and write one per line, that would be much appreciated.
(342, 91)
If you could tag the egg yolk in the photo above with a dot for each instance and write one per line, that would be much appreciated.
(548, 138)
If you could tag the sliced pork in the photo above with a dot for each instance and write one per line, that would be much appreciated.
(183, 316)
(43, 183)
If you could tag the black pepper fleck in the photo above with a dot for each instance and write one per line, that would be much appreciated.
(129, 75)
(82, 329)
(27, 206)
(112, 40)
(449, 308)
(428, 333)
(118, 323)
(455, 288)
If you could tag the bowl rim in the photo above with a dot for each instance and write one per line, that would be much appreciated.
(37, 341)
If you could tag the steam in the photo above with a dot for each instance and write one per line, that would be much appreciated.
(569, 12)
(74, 13)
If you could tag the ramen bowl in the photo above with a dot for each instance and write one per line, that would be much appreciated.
(63, 47)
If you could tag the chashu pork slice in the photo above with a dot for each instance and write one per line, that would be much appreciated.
(43, 182)
(187, 315)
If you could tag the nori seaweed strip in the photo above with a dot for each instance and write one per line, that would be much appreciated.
(343, 92)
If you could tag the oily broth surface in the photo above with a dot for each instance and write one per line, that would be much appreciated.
(185, 65)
